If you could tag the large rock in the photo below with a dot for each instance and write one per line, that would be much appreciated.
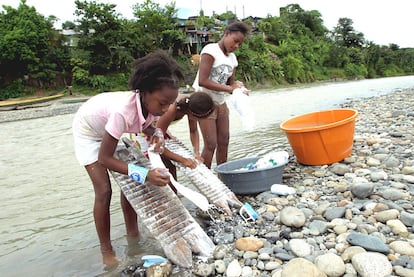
(249, 244)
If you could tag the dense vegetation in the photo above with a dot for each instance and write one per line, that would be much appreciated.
(293, 48)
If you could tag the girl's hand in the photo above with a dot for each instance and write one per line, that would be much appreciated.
(159, 176)
(158, 140)
(199, 158)
(247, 91)
(191, 163)
(239, 84)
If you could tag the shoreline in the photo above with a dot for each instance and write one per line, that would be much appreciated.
(57, 107)
(70, 104)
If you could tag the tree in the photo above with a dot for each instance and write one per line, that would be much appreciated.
(102, 36)
(155, 27)
(29, 47)
(69, 25)
(345, 34)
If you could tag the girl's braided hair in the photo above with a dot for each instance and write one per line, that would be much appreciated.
(154, 71)
(199, 104)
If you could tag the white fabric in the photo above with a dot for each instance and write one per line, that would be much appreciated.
(240, 101)
(221, 70)
(197, 198)
(86, 150)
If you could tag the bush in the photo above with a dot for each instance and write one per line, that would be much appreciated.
(355, 71)
(99, 82)
(12, 90)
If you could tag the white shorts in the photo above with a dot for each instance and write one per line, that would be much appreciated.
(86, 150)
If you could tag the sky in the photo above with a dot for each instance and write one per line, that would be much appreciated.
(382, 22)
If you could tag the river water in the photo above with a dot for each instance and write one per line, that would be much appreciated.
(46, 199)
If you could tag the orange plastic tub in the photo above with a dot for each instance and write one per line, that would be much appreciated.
(323, 137)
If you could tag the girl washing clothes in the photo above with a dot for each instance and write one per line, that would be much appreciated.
(101, 121)
(197, 106)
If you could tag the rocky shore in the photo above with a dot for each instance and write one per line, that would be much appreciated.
(351, 218)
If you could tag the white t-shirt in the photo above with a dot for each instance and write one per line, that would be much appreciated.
(221, 70)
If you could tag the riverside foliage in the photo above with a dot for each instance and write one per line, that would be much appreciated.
(294, 47)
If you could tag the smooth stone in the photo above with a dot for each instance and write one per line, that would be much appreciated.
(220, 251)
(340, 169)
(392, 162)
(319, 226)
(407, 218)
(292, 216)
(397, 226)
(331, 264)
(402, 247)
(247, 271)
(350, 252)
(362, 190)
(368, 242)
(202, 269)
(378, 175)
(371, 264)
(284, 256)
(393, 194)
(234, 269)
(219, 266)
(407, 170)
(249, 244)
(334, 212)
(384, 216)
(300, 247)
(301, 267)
(269, 266)
(404, 272)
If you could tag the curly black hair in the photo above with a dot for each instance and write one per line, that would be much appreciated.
(154, 71)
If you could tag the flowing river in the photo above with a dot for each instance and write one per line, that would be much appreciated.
(46, 199)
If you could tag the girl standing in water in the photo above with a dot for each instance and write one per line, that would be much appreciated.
(197, 106)
(102, 120)
(215, 76)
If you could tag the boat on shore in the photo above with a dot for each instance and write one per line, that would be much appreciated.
(21, 103)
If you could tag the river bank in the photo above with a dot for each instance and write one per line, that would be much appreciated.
(60, 106)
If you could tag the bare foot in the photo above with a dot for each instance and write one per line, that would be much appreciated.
(109, 259)
(133, 245)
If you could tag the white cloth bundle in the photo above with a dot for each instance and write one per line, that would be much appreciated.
(240, 101)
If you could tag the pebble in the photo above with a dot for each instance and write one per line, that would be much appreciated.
(331, 264)
(369, 264)
(234, 269)
(368, 242)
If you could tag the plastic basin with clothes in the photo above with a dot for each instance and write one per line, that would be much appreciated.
(249, 181)
(323, 137)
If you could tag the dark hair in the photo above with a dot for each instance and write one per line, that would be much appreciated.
(199, 104)
(153, 71)
(238, 26)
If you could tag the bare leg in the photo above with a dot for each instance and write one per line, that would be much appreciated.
(130, 217)
(223, 134)
(208, 130)
(103, 193)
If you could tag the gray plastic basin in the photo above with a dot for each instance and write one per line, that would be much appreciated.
(248, 181)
